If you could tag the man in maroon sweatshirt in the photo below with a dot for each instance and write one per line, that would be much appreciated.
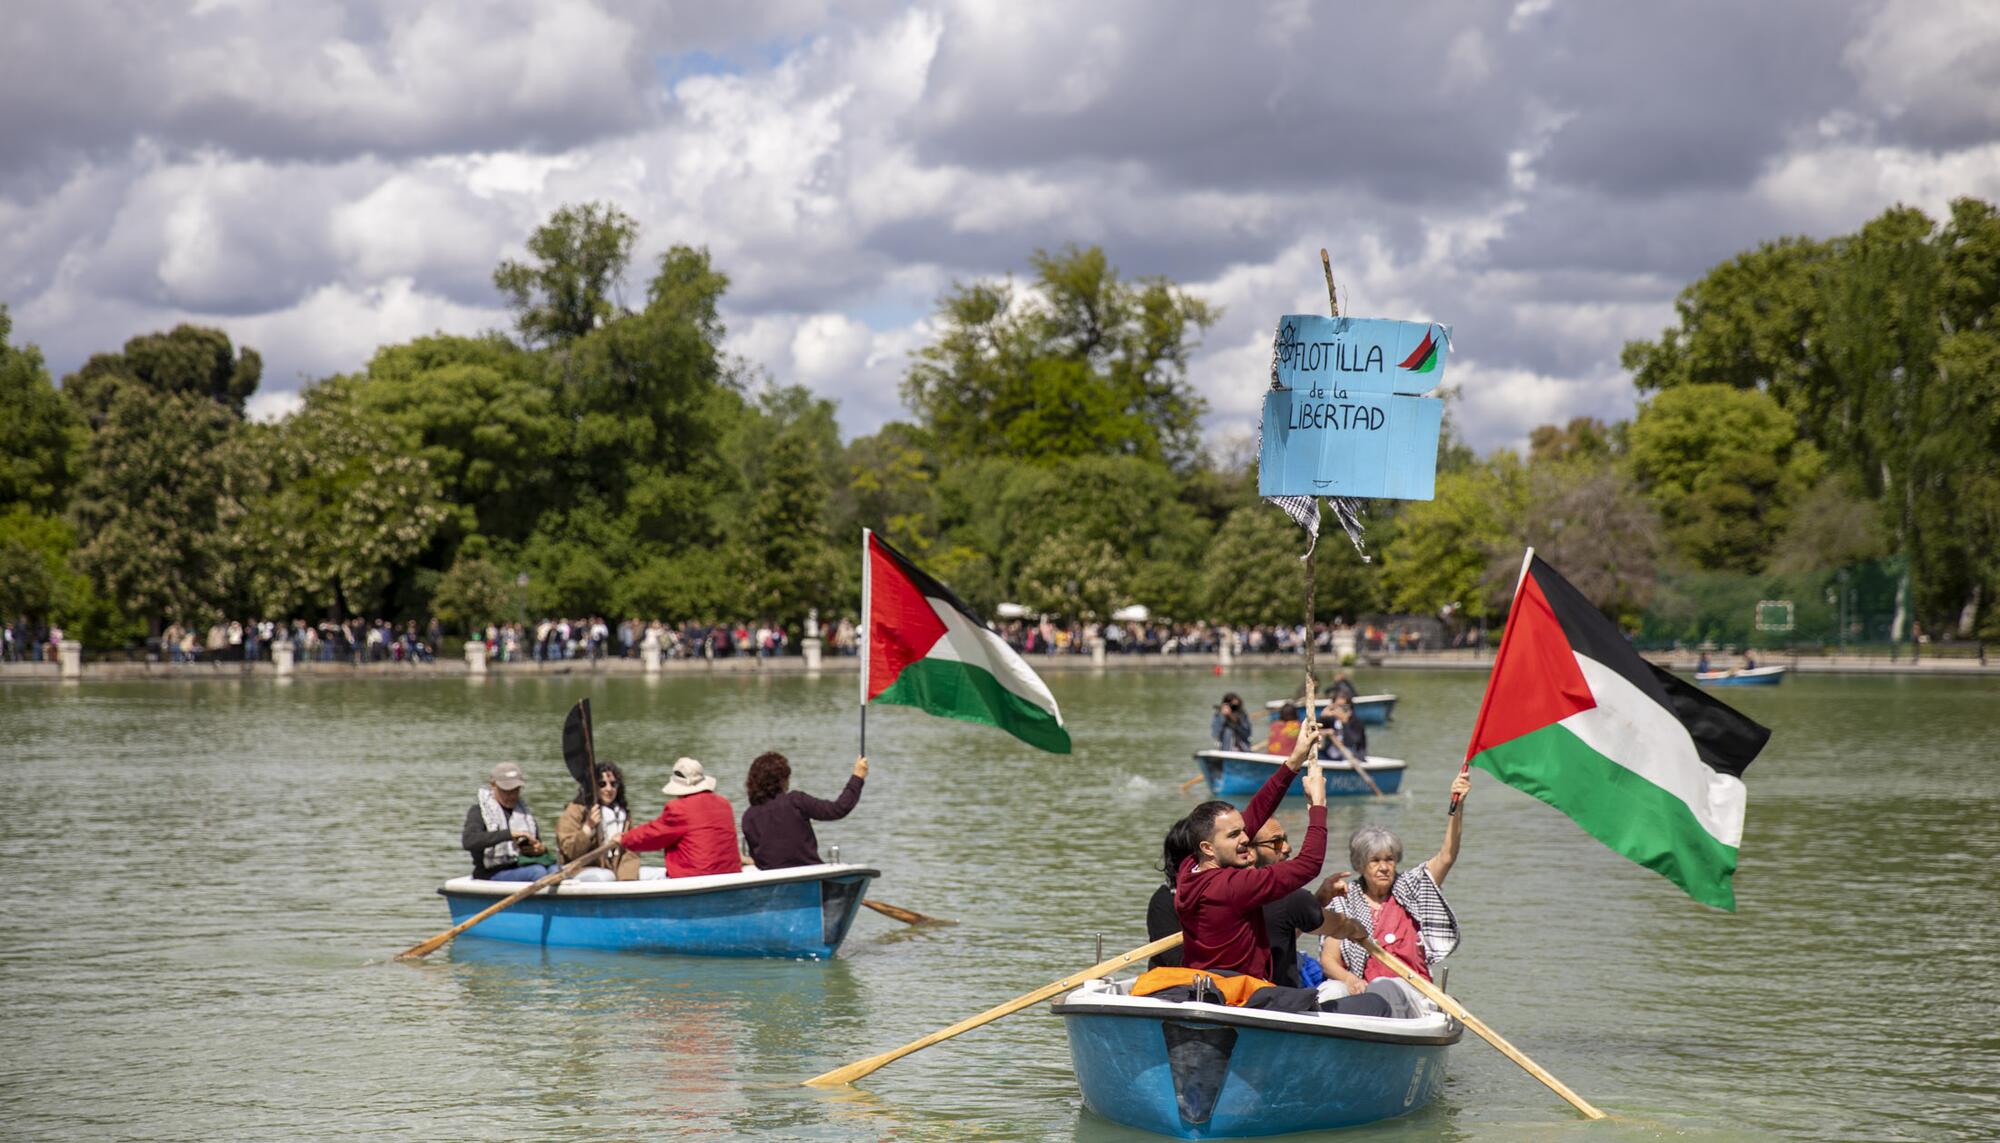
(1220, 892)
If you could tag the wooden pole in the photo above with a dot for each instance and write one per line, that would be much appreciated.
(1438, 997)
(425, 948)
(840, 1077)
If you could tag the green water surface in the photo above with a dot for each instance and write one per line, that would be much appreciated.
(205, 880)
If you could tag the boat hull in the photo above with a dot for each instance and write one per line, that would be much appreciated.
(799, 913)
(1756, 677)
(1208, 1072)
(1371, 710)
(1237, 775)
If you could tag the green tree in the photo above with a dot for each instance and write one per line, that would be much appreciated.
(472, 593)
(159, 493)
(341, 507)
(787, 530)
(1723, 466)
(40, 433)
(577, 261)
(1444, 548)
(1083, 363)
(483, 418)
(1252, 573)
(1074, 575)
(1749, 323)
(188, 361)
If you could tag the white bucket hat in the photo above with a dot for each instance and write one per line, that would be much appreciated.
(688, 779)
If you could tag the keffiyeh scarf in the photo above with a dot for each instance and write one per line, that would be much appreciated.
(498, 817)
(1417, 893)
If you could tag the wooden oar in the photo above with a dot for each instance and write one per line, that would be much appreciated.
(840, 1077)
(1356, 762)
(425, 948)
(1185, 786)
(1513, 1053)
(907, 916)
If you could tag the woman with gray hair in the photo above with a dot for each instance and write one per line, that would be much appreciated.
(1404, 911)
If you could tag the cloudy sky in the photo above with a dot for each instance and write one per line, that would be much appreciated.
(1545, 175)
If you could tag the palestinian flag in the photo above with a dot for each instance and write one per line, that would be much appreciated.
(927, 649)
(1643, 761)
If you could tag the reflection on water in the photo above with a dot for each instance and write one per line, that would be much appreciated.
(206, 880)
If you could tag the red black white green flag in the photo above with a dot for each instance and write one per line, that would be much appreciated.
(1642, 760)
(925, 648)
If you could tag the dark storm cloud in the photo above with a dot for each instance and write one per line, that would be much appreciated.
(83, 79)
(1396, 97)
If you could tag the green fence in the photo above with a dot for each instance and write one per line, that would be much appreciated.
(1850, 608)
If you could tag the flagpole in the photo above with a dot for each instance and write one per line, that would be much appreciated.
(865, 635)
(1485, 705)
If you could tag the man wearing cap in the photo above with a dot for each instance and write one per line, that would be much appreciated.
(499, 829)
(696, 830)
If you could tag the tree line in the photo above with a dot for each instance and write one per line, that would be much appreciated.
(1815, 404)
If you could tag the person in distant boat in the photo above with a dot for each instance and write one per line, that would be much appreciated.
(1404, 911)
(696, 830)
(1701, 666)
(1343, 729)
(1749, 660)
(1284, 732)
(1219, 896)
(1342, 688)
(578, 832)
(499, 829)
(1231, 725)
(778, 825)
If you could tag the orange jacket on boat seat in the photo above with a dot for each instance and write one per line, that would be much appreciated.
(1235, 990)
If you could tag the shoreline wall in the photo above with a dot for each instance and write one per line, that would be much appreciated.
(847, 665)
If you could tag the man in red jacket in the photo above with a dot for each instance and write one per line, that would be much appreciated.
(697, 829)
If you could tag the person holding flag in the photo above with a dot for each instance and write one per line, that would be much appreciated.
(1405, 912)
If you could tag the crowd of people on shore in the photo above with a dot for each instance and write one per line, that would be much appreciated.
(25, 642)
(695, 833)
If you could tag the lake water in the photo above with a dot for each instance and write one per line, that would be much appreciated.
(206, 880)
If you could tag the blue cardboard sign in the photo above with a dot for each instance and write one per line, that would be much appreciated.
(1352, 418)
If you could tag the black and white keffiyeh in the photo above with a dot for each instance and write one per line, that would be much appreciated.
(497, 816)
(1417, 893)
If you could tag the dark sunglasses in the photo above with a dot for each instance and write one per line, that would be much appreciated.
(607, 780)
(1274, 842)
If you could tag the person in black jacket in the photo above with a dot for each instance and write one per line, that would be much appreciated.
(1341, 721)
(500, 830)
(778, 825)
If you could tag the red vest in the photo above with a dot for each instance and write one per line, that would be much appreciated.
(1396, 931)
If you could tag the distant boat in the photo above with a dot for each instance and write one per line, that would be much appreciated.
(1372, 710)
(802, 913)
(1241, 773)
(1754, 677)
(1206, 1071)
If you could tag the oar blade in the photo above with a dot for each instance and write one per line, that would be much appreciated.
(576, 742)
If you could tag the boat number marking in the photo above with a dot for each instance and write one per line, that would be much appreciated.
(1416, 1081)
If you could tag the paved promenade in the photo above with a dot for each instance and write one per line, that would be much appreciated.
(794, 664)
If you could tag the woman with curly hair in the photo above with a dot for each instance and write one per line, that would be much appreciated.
(577, 832)
(778, 825)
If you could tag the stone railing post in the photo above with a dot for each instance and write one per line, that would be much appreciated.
(649, 652)
(810, 647)
(475, 656)
(1097, 651)
(282, 653)
(69, 659)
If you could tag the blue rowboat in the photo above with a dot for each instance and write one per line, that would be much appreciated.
(1208, 1071)
(1372, 710)
(1238, 774)
(803, 913)
(1754, 677)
